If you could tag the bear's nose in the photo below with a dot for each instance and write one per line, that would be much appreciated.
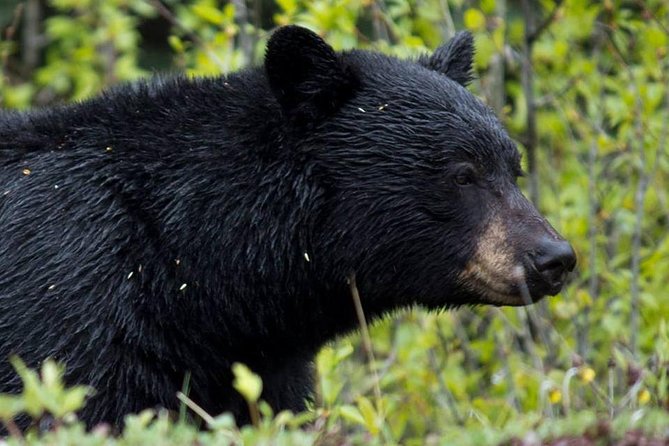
(553, 260)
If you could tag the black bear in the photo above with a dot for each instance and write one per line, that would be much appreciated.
(176, 226)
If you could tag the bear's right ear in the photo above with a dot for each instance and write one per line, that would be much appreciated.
(454, 59)
(305, 74)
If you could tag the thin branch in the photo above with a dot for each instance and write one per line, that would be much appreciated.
(10, 31)
(242, 19)
(461, 335)
(384, 22)
(378, 23)
(583, 321)
(31, 39)
(504, 358)
(639, 199)
(448, 19)
(648, 11)
(550, 98)
(165, 12)
(527, 81)
(536, 32)
(366, 341)
(663, 146)
(192, 405)
(450, 401)
(495, 90)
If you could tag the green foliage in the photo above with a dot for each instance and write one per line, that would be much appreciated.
(600, 350)
(43, 394)
(90, 45)
(319, 427)
(47, 395)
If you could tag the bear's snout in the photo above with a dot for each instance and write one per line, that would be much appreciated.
(551, 262)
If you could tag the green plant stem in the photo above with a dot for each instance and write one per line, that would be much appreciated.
(367, 342)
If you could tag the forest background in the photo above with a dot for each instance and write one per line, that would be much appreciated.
(582, 86)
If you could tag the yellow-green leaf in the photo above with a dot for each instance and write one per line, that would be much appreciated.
(246, 382)
(474, 19)
(209, 13)
(369, 414)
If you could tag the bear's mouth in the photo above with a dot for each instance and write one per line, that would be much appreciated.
(499, 273)
(495, 288)
(493, 273)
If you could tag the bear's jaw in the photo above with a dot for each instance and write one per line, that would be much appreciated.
(491, 288)
(493, 273)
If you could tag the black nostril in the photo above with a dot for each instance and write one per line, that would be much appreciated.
(554, 257)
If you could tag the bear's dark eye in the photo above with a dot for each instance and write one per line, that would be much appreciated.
(465, 176)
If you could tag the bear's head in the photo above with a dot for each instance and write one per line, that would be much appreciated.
(418, 177)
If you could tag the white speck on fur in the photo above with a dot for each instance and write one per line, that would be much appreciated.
(130, 275)
(183, 287)
(306, 257)
(361, 109)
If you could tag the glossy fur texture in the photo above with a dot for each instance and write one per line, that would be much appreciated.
(176, 226)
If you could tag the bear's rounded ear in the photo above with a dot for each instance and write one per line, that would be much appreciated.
(454, 59)
(305, 74)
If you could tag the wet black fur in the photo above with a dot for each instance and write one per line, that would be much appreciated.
(223, 185)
